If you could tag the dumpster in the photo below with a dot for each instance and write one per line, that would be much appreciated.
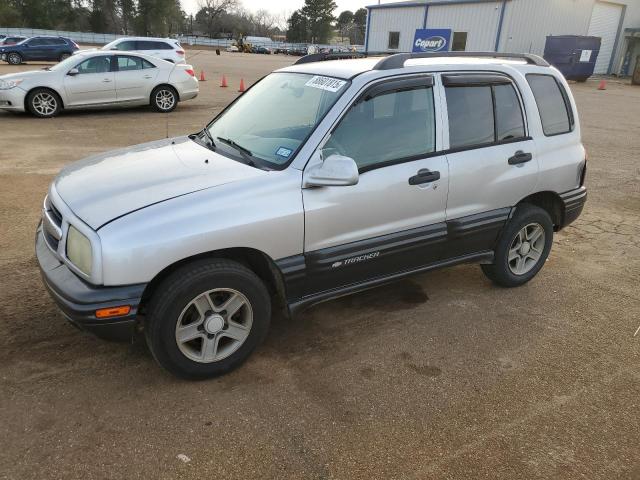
(574, 55)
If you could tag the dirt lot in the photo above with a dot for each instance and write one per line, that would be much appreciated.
(439, 376)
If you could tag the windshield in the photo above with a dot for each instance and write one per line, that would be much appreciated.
(274, 118)
(69, 63)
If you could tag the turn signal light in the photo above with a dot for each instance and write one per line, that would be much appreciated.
(190, 72)
(113, 312)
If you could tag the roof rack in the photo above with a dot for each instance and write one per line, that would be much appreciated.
(397, 60)
(321, 57)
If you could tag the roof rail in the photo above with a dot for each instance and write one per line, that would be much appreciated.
(397, 60)
(320, 57)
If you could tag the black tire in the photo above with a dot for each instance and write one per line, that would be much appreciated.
(501, 272)
(38, 94)
(64, 56)
(156, 103)
(176, 292)
(14, 58)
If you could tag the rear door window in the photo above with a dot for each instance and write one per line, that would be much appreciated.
(470, 116)
(483, 114)
(126, 64)
(148, 45)
(553, 104)
(509, 121)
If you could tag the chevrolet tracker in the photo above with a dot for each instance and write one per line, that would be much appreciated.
(325, 178)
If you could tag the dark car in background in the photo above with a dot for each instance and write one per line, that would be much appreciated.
(11, 40)
(41, 48)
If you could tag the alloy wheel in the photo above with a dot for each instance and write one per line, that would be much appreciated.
(165, 99)
(214, 325)
(526, 249)
(45, 104)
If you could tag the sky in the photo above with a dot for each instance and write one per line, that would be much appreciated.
(279, 7)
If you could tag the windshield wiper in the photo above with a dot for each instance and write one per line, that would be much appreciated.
(207, 133)
(244, 152)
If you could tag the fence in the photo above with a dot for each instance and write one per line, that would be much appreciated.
(104, 38)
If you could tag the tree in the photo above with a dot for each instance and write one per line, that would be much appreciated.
(360, 21)
(345, 23)
(319, 16)
(297, 31)
(211, 10)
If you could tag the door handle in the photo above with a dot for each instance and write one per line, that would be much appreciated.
(520, 157)
(147, 76)
(106, 80)
(424, 175)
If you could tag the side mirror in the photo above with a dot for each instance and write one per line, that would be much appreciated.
(73, 72)
(334, 171)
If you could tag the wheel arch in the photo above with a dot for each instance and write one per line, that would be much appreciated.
(549, 201)
(26, 97)
(257, 261)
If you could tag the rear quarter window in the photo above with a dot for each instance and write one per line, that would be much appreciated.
(553, 104)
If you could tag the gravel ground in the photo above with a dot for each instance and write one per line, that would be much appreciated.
(439, 376)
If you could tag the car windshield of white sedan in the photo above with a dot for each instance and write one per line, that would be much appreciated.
(67, 64)
(272, 120)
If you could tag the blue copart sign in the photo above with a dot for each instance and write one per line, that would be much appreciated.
(432, 40)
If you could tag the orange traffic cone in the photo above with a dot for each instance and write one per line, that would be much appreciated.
(202, 79)
(224, 81)
(242, 88)
(603, 85)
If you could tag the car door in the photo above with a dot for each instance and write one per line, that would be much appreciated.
(93, 83)
(34, 49)
(492, 160)
(135, 78)
(393, 219)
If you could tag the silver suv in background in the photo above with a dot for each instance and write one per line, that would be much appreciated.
(350, 174)
(167, 49)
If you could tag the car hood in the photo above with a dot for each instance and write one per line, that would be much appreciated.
(111, 185)
(27, 75)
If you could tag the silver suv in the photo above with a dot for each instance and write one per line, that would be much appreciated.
(323, 179)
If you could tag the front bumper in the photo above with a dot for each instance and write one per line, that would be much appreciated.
(12, 99)
(79, 300)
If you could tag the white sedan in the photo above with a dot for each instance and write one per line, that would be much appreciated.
(96, 79)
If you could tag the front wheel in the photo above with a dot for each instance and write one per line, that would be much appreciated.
(43, 103)
(164, 99)
(523, 247)
(206, 318)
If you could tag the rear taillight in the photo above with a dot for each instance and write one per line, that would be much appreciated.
(190, 72)
(180, 52)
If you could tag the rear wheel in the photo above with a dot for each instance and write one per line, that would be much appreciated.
(206, 318)
(164, 99)
(14, 58)
(43, 103)
(523, 247)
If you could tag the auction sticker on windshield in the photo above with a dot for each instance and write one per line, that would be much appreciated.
(326, 83)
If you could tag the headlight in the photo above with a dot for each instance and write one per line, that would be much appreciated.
(79, 250)
(8, 84)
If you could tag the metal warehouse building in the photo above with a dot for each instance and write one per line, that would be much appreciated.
(519, 26)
